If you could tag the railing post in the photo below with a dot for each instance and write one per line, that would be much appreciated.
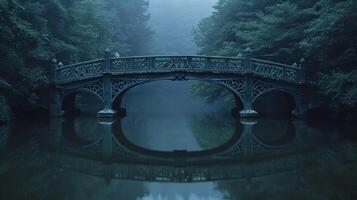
(248, 111)
(151, 63)
(55, 94)
(247, 53)
(107, 112)
(53, 71)
(285, 73)
(302, 71)
(207, 63)
(107, 62)
(240, 57)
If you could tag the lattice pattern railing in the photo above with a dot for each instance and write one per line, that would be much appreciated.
(79, 71)
(194, 64)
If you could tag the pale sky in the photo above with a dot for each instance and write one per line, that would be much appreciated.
(173, 21)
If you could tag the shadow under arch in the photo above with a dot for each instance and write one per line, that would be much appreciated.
(275, 101)
(274, 132)
(69, 97)
(121, 139)
(71, 137)
(117, 99)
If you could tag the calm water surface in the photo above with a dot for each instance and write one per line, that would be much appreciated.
(320, 160)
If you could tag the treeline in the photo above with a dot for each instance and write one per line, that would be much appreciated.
(33, 32)
(323, 32)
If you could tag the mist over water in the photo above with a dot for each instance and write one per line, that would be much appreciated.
(173, 22)
(159, 115)
(274, 158)
(163, 109)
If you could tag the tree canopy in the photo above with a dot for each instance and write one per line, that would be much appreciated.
(33, 32)
(320, 31)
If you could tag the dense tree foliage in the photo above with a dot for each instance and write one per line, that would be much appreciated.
(32, 32)
(321, 31)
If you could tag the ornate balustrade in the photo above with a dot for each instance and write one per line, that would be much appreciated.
(167, 64)
(276, 70)
(79, 71)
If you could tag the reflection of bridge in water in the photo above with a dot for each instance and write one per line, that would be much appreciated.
(108, 79)
(248, 157)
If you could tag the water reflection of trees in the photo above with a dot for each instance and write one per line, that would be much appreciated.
(27, 171)
(213, 129)
(329, 178)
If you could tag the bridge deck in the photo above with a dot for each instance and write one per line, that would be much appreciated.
(172, 64)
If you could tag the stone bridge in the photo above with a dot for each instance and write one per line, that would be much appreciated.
(109, 78)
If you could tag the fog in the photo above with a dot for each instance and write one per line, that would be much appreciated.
(173, 22)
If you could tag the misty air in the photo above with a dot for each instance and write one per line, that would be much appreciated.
(178, 99)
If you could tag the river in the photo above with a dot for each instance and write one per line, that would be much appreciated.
(279, 158)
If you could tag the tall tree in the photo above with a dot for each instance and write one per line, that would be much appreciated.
(286, 31)
(35, 31)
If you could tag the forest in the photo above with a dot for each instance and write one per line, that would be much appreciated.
(36, 31)
(162, 127)
(320, 34)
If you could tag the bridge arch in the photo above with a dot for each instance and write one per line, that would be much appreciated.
(68, 100)
(234, 86)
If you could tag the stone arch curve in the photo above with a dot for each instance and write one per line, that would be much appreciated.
(236, 86)
(68, 97)
(121, 86)
(92, 87)
(80, 90)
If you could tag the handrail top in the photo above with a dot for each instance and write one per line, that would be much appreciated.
(275, 63)
(178, 56)
(81, 63)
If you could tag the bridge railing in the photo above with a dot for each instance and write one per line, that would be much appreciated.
(276, 70)
(166, 64)
(177, 63)
(79, 71)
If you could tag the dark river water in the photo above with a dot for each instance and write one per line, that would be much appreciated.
(265, 158)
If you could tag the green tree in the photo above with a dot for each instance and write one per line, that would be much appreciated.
(33, 32)
(286, 31)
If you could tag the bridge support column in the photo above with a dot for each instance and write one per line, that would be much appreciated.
(107, 112)
(248, 111)
(55, 106)
(55, 102)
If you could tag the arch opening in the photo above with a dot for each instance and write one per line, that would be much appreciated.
(274, 103)
(81, 102)
(167, 116)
